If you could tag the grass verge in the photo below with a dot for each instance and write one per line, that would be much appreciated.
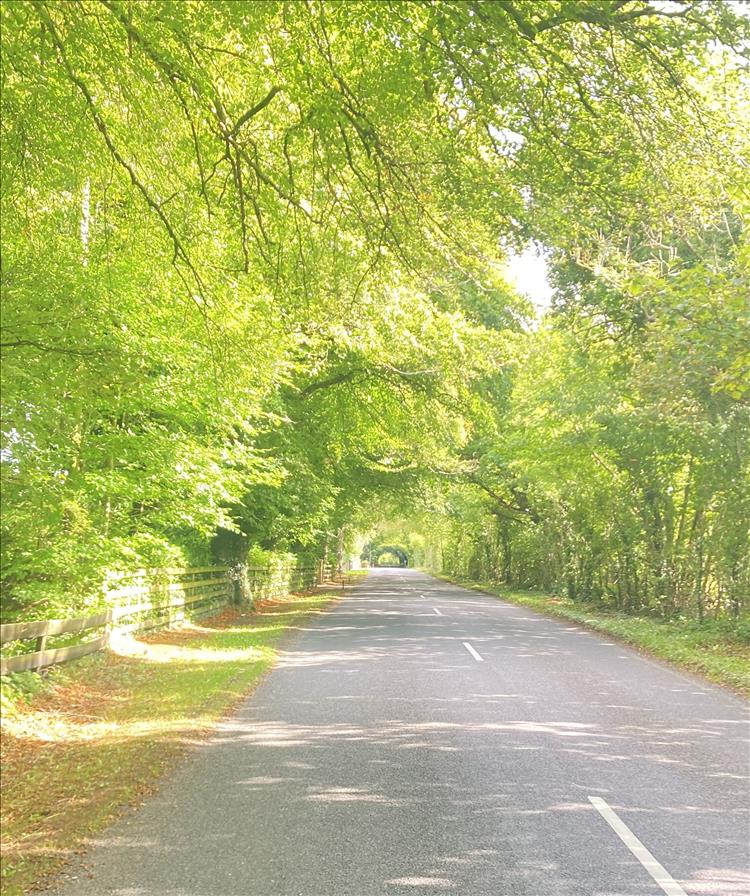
(99, 733)
(719, 651)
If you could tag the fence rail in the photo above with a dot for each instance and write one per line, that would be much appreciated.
(43, 629)
(153, 598)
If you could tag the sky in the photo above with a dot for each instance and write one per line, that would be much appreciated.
(528, 273)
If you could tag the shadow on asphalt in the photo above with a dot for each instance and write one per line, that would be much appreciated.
(379, 757)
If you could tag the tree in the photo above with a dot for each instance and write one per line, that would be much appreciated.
(253, 251)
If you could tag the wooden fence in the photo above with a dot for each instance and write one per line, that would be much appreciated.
(148, 599)
(45, 628)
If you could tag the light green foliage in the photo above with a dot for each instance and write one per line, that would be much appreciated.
(253, 260)
(620, 469)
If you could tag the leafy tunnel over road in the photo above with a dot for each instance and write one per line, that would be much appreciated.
(257, 284)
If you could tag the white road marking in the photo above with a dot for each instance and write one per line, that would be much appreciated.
(473, 652)
(436, 611)
(656, 870)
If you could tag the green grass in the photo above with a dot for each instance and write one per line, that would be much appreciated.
(717, 650)
(100, 733)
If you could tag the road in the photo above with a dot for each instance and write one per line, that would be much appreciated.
(425, 739)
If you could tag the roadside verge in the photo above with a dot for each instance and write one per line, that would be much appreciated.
(99, 734)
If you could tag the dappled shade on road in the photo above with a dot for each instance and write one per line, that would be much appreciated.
(379, 757)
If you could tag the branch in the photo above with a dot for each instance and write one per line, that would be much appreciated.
(505, 504)
(387, 466)
(604, 18)
(527, 29)
(334, 380)
(32, 343)
(258, 107)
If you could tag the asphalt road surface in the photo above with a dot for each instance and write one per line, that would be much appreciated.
(425, 739)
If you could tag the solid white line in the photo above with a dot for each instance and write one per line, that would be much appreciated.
(473, 652)
(657, 871)
(436, 611)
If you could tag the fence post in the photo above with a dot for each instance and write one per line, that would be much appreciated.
(108, 629)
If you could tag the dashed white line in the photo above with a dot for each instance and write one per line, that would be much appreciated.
(654, 868)
(473, 652)
(436, 611)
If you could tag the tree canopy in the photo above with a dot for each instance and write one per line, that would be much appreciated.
(255, 291)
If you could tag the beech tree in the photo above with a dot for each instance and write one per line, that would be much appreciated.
(253, 274)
